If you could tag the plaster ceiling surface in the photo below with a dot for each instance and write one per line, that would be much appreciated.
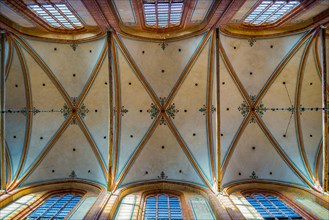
(155, 85)
(284, 82)
(13, 15)
(317, 8)
(125, 11)
(73, 122)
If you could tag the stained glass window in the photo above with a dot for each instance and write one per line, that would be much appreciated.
(163, 207)
(56, 207)
(56, 15)
(270, 11)
(270, 207)
(163, 13)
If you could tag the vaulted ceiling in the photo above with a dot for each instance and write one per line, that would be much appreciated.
(162, 121)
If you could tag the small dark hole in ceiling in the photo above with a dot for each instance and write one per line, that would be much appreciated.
(196, 84)
(162, 147)
(73, 75)
(16, 85)
(194, 134)
(73, 149)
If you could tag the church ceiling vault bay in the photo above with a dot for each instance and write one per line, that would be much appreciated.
(118, 93)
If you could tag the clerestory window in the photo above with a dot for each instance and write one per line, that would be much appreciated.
(163, 13)
(270, 11)
(56, 207)
(163, 207)
(270, 207)
(57, 15)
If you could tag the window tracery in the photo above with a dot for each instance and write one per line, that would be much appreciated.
(270, 11)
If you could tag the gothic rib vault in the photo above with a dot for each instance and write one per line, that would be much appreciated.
(164, 130)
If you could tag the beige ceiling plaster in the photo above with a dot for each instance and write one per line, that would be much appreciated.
(98, 99)
(80, 161)
(201, 9)
(230, 121)
(15, 17)
(125, 12)
(321, 6)
(43, 98)
(134, 98)
(246, 58)
(169, 160)
(263, 160)
(15, 123)
(155, 59)
(311, 121)
(82, 12)
(277, 121)
(64, 61)
(244, 10)
(192, 98)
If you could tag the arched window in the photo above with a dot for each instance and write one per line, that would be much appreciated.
(163, 14)
(163, 207)
(57, 15)
(270, 207)
(56, 207)
(270, 11)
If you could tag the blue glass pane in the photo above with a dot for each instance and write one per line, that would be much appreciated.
(163, 207)
(150, 208)
(56, 207)
(270, 207)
